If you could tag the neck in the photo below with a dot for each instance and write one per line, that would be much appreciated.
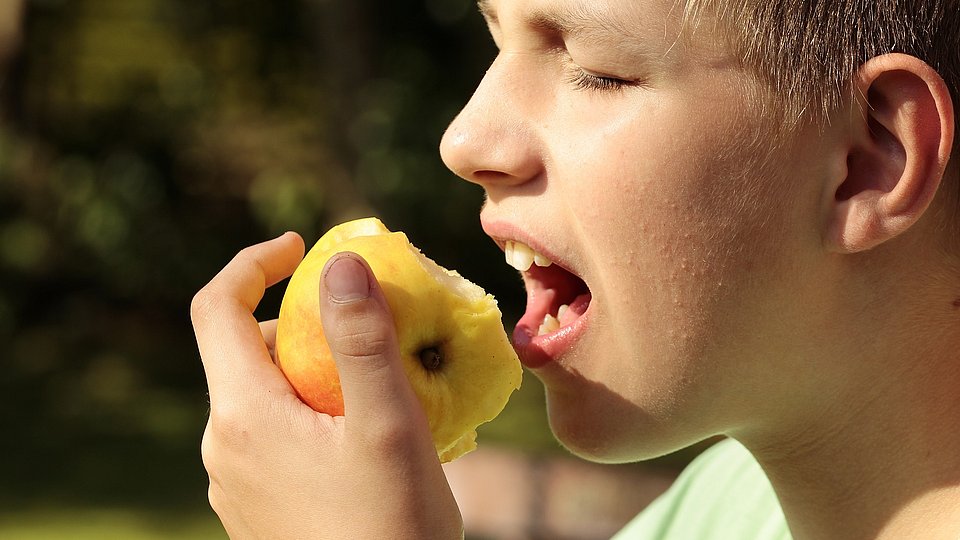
(881, 460)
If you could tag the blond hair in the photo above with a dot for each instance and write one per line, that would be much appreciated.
(808, 51)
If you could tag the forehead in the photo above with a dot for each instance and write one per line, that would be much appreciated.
(661, 23)
(625, 16)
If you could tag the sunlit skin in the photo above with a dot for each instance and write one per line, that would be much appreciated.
(728, 297)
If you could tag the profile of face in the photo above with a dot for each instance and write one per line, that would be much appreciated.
(629, 156)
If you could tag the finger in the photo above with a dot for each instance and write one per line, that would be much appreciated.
(232, 347)
(360, 331)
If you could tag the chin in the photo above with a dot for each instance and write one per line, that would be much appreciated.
(606, 428)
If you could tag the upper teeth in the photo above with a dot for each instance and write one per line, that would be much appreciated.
(522, 256)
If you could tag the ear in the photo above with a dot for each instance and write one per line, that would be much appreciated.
(898, 151)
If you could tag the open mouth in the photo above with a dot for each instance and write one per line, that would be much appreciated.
(557, 304)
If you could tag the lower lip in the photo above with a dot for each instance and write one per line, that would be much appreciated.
(537, 351)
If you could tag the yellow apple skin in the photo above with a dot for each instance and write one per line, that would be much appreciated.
(452, 343)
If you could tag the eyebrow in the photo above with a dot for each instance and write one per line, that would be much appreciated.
(486, 9)
(574, 21)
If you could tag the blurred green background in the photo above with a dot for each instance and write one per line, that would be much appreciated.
(142, 144)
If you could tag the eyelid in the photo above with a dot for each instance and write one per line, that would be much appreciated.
(587, 79)
(582, 80)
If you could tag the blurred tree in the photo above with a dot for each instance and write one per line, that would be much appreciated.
(11, 13)
(144, 142)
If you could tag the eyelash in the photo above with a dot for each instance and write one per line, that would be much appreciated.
(582, 80)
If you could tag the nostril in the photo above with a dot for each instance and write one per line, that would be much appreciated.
(488, 176)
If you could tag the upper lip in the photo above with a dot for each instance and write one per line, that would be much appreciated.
(503, 231)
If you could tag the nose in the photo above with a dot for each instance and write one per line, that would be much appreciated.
(492, 142)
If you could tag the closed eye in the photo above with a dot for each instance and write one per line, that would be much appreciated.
(582, 79)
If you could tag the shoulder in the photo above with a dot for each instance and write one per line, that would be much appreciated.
(722, 494)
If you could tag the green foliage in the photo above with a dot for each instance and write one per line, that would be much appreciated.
(143, 143)
(96, 524)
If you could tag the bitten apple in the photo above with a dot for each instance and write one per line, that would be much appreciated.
(453, 346)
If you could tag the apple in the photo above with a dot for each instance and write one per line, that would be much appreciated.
(452, 343)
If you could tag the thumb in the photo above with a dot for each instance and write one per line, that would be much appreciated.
(359, 329)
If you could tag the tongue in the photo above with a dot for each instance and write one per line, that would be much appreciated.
(576, 309)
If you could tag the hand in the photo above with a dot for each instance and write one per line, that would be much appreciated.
(277, 468)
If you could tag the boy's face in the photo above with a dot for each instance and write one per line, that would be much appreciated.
(645, 184)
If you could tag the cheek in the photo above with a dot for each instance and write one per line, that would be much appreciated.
(682, 220)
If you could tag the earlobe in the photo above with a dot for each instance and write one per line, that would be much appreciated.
(898, 151)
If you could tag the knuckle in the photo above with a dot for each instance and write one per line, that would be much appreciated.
(248, 261)
(215, 498)
(205, 304)
(245, 269)
(208, 453)
(229, 426)
(362, 344)
(363, 336)
(247, 254)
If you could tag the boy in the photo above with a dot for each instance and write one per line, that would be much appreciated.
(752, 207)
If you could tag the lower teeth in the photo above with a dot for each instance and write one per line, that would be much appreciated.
(552, 323)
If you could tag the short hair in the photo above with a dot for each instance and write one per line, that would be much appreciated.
(808, 51)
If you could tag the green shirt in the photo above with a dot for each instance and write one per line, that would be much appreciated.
(722, 495)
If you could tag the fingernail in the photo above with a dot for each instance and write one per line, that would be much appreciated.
(346, 280)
